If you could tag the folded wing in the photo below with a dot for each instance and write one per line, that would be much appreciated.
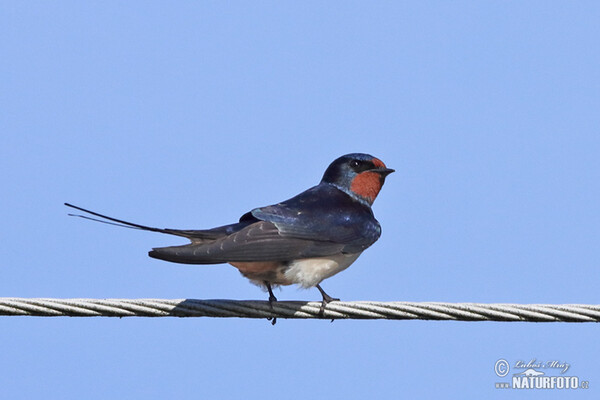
(260, 241)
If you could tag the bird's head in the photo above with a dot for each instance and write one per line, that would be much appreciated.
(360, 175)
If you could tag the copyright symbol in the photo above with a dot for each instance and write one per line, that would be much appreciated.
(501, 368)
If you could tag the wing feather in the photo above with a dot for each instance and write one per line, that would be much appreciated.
(260, 241)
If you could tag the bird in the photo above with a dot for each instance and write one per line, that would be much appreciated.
(303, 240)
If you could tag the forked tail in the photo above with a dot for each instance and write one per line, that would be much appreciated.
(190, 234)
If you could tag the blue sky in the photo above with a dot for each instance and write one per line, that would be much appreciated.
(188, 115)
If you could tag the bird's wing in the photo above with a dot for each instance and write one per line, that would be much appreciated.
(248, 240)
(259, 241)
(322, 213)
(319, 222)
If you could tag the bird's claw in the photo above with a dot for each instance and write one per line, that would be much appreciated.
(272, 299)
(326, 300)
(324, 304)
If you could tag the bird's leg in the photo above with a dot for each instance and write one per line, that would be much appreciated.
(326, 299)
(272, 298)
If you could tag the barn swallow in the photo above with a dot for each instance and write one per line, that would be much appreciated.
(302, 241)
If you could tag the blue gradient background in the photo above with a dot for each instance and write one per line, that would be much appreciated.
(187, 115)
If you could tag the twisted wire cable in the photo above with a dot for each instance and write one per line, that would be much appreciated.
(397, 310)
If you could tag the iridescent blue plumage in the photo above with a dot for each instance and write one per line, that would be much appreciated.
(323, 213)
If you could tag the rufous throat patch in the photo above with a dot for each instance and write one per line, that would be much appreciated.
(367, 184)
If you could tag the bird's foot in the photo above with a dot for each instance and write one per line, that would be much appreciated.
(326, 300)
(272, 297)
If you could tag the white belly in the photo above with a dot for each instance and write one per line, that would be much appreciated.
(309, 272)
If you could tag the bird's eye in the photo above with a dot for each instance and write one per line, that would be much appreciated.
(355, 163)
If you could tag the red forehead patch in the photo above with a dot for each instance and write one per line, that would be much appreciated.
(367, 184)
(378, 163)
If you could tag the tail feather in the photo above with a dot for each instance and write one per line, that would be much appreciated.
(193, 235)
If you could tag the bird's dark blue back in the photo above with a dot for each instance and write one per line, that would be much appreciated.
(322, 213)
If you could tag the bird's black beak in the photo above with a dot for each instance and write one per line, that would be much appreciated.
(383, 171)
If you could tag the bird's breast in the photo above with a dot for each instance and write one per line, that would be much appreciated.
(309, 272)
(306, 272)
